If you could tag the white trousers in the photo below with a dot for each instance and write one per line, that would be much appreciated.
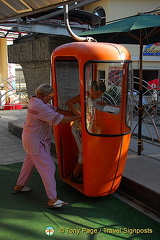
(77, 135)
(45, 167)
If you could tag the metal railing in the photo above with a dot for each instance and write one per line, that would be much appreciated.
(151, 113)
(13, 92)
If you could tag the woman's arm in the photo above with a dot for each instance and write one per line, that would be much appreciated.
(70, 103)
(67, 119)
(64, 112)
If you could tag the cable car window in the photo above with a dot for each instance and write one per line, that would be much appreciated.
(67, 78)
(103, 88)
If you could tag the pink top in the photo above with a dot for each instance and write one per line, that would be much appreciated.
(38, 126)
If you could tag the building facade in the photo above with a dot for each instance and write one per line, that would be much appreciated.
(115, 9)
(33, 53)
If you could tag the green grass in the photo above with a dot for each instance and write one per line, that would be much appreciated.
(25, 216)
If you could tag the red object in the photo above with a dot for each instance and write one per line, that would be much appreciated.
(9, 106)
(154, 84)
(18, 106)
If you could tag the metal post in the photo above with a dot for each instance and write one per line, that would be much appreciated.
(140, 142)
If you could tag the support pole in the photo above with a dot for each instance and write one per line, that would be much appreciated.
(140, 142)
(3, 58)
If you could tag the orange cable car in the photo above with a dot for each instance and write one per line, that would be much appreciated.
(75, 67)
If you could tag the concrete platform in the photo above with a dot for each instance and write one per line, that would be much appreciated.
(141, 178)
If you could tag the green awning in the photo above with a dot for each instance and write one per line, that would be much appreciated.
(127, 30)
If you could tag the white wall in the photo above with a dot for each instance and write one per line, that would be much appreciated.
(123, 8)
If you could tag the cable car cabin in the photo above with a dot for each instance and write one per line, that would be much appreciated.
(106, 121)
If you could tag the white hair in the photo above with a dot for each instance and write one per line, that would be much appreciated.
(44, 89)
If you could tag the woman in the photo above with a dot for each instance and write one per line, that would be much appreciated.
(36, 139)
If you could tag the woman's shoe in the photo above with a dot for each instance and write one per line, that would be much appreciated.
(21, 189)
(56, 204)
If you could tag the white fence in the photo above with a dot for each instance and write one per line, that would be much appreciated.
(13, 93)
